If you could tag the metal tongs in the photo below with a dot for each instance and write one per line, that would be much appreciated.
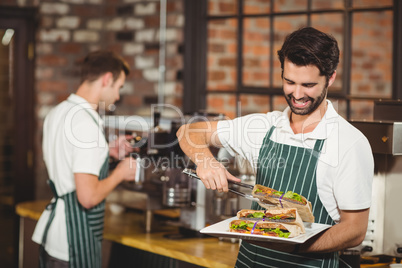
(191, 173)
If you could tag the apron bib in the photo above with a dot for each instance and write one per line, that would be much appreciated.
(288, 168)
(84, 226)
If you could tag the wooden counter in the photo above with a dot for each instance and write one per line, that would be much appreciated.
(128, 229)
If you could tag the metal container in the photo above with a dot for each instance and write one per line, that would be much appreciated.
(385, 137)
(176, 188)
(225, 205)
(176, 197)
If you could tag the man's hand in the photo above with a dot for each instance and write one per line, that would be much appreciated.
(120, 147)
(126, 169)
(214, 175)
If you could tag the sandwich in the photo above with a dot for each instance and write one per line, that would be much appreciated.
(270, 197)
(285, 215)
(269, 193)
(264, 228)
(278, 215)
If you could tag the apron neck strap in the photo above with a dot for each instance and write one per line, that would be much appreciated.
(317, 146)
(53, 188)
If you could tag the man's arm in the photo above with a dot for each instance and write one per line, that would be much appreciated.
(195, 140)
(91, 191)
(350, 232)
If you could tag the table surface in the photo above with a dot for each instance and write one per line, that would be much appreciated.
(128, 229)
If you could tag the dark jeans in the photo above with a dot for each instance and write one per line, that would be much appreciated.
(52, 262)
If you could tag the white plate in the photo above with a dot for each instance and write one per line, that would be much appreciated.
(221, 229)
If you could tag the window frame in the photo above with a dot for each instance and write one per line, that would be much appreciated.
(195, 52)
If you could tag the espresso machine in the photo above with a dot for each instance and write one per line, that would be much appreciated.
(158, 159)
(160, 183)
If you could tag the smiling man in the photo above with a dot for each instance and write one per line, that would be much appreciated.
(298, 94)
(307, 148)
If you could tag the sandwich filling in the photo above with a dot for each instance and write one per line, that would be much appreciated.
(268, 216)
(271, 192)
(253, 228)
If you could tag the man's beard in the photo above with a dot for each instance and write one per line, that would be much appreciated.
(314, 103)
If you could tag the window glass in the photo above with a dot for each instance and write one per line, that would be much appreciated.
(222, 55)
(222, 103)
(332, 23)
(283, 26)
(371, 70)
(253, 103)
(361, 109)
(222, 7)
(325, 4)
(340, 106)
(371, 3)
(257, 7)
(371, 52)
(279, 103)
(290, 5)
(256, 47)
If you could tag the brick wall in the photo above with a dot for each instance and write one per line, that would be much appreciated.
(371, 73)
(69, 29)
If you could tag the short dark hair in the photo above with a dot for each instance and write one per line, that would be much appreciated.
(100, 62)
(309, 46)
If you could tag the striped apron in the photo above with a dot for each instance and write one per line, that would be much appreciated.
(84, 226)
(288, 168)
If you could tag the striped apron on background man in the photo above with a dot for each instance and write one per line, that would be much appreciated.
(84, 226)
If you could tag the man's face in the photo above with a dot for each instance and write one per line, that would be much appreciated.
(303, 87)
(111, 93)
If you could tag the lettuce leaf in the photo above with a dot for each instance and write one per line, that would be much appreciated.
(256, 215)
(290, 195)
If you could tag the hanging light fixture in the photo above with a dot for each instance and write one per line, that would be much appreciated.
(8, 35)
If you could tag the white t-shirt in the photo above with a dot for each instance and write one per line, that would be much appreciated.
(345, 167)
(72, 143)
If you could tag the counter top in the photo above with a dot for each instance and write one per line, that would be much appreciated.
(128, 229)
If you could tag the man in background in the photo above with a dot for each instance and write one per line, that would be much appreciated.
(76, 155)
